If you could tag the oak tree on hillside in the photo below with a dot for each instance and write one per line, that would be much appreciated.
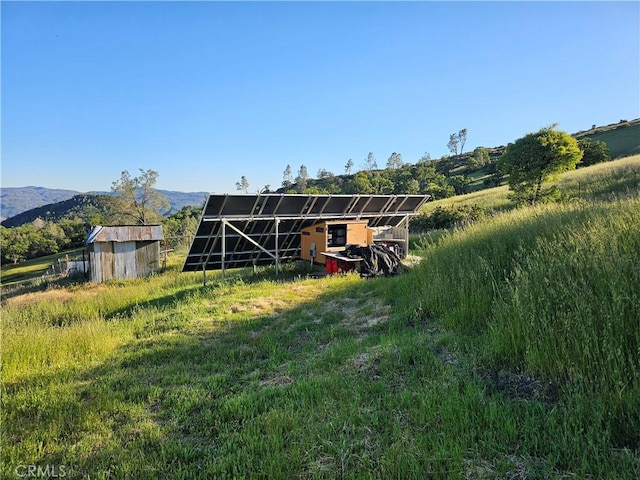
(595, 151)
(140, 200)
(537, 158)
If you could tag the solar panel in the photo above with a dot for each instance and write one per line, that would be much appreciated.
(243, 230)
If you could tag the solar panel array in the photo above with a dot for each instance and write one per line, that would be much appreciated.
(243, 230)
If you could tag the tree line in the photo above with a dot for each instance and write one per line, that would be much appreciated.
(525, 165)
(456, 174)
(440, 178)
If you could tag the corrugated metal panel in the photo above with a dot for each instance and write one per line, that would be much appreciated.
(124, 256)
(125, 233)
(101, 261)
(110, 260)
(147, 258)
(94, 263)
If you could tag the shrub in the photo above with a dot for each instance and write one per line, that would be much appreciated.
(447, 217)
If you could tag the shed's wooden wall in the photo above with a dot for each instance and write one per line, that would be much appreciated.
(147, 258)
(110, 260)
(101, 261)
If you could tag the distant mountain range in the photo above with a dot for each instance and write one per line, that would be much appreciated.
(15, 201)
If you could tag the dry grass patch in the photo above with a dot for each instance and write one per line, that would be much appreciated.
(361, 316)
(58, 295)
(277, 380)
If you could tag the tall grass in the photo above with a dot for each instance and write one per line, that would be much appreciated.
(511, 351)
(552, 290)
(61, 327)
(602, 181)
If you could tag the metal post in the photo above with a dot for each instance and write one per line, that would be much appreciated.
(277, 254)
(204, 274)
(224, 245)
(406, 236)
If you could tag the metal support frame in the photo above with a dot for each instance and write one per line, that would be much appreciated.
(277, 257)
(225, 223)
(245, 243)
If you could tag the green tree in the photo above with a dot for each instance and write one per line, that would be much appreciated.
(348, 167)
(494, 178)
(302, 179)
(243, 184)
(426, 158)
(445, 165)
(594, 151)
(537, 158)
(462, 139)
(453, 143)
(481, 156)
(360, 184)
(371, 162)
(286, 178)
(382, 184)
(460, 184)
(74, 231)
(395, 161)
(140, 199)
(14, 244)
(180, 227)
(324, 174)
(457, 140)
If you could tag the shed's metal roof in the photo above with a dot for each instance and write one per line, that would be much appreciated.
(125, 233)
(265, 226)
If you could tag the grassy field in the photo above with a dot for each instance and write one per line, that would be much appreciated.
(596, 182)
(36, 268)
(621, 139)
(511, 351)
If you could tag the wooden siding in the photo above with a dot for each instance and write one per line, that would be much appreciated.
(124, 260)
(355, 233)
(101, 261)
(147, 258)
(109, 260)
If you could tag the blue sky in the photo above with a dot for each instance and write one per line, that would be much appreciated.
(205, 92)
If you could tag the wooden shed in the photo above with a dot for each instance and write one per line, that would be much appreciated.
(124, 251)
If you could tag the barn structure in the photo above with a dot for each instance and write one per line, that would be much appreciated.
(124, 251)
(243, 230)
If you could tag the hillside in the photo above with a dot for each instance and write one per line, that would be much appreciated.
(623, 138)
(509, 352)
(82, 206)
(456, 174)
(79, 205)
(15, 200)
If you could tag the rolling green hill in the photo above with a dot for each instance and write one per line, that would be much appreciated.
(623, 139)
(510, 351)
